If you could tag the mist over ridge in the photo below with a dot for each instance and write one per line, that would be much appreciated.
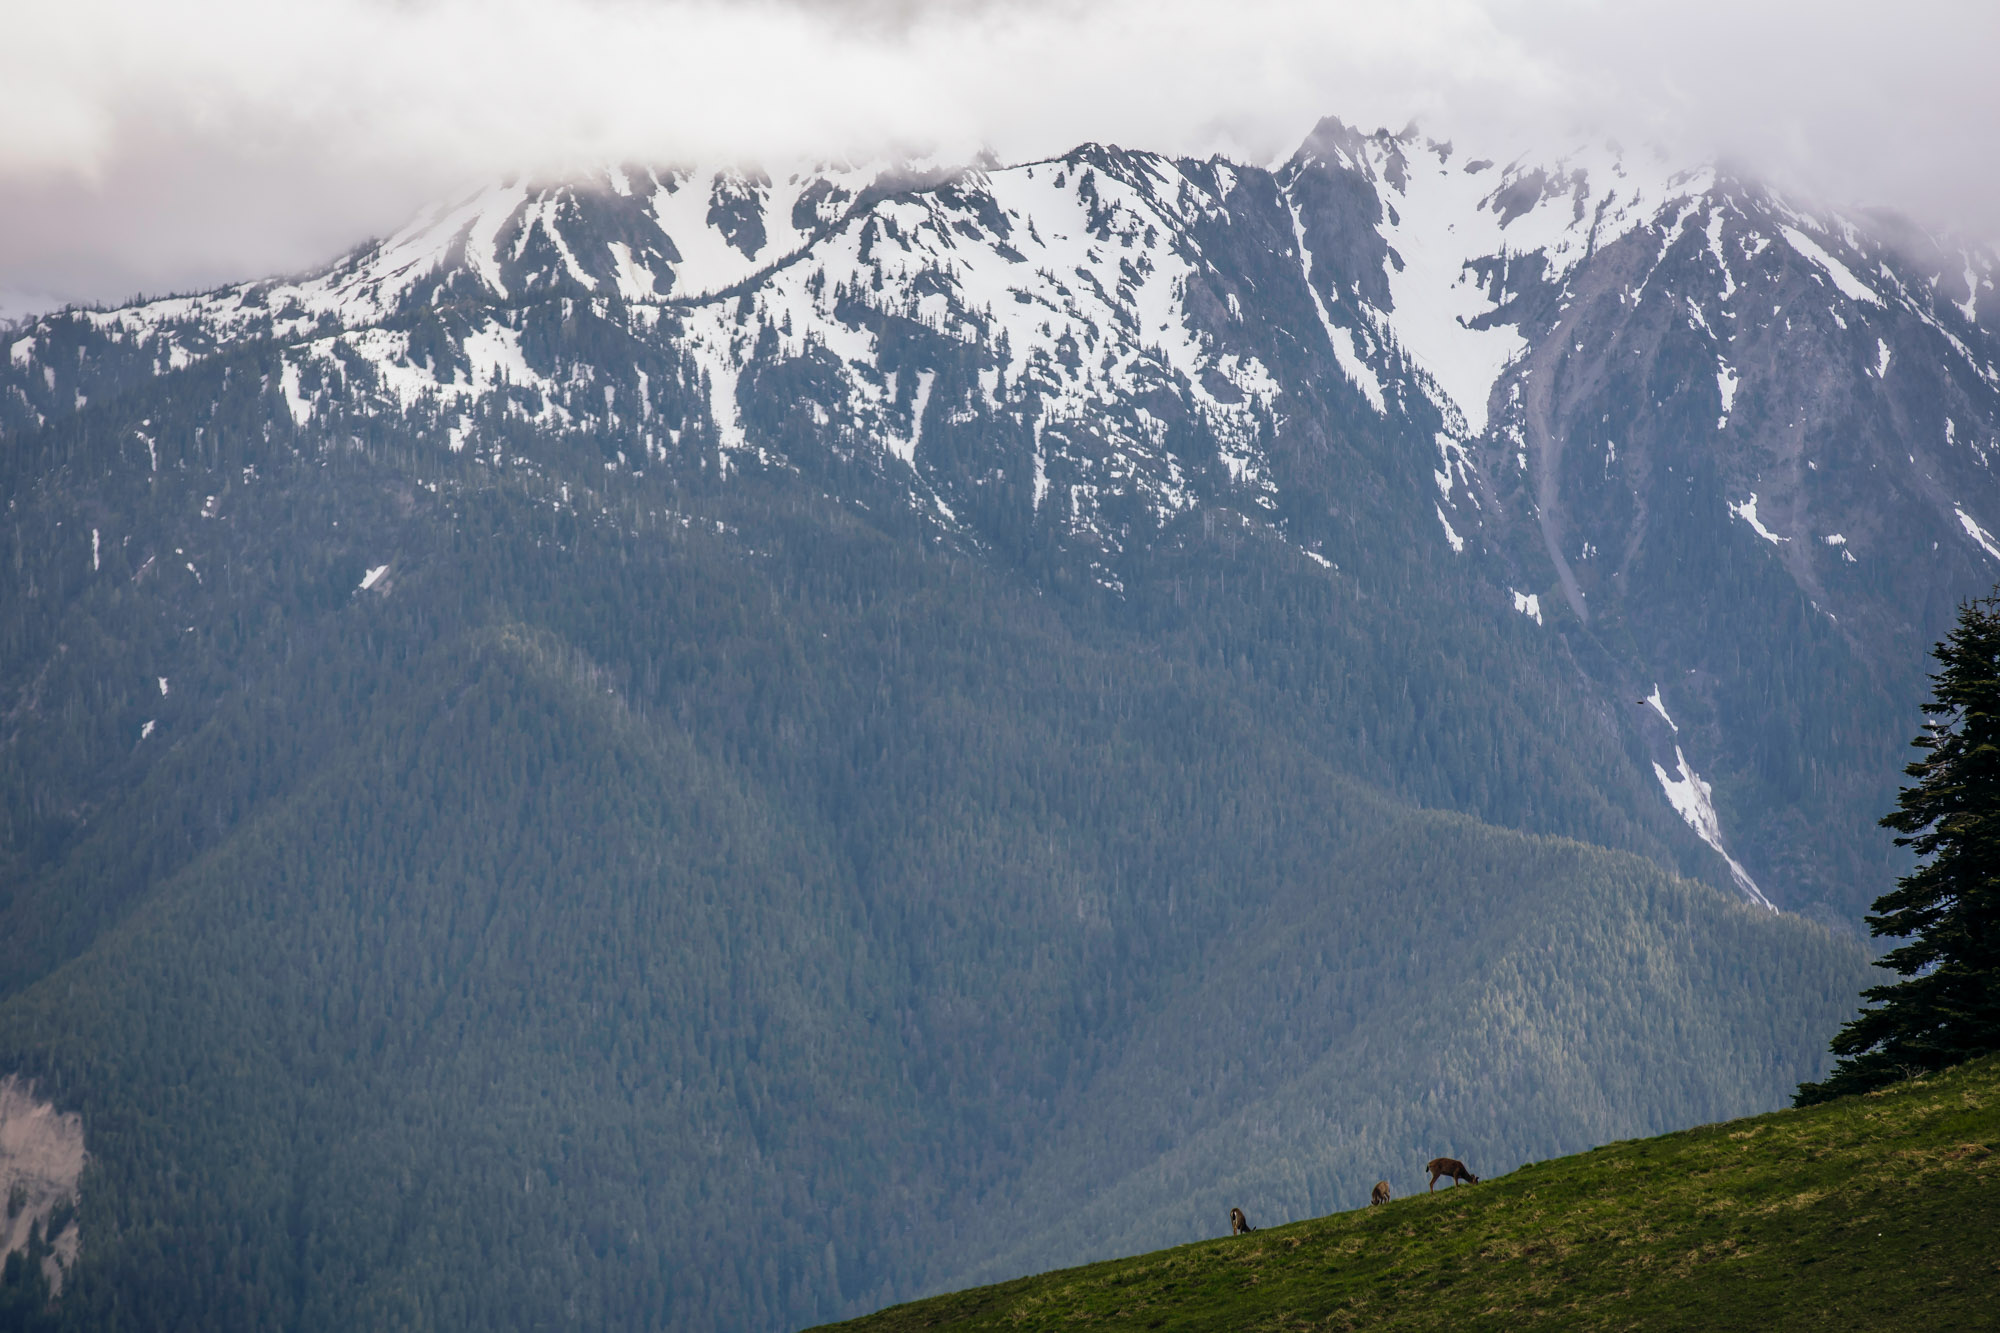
(156, 154)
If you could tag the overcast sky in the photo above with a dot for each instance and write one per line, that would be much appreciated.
(155, 147)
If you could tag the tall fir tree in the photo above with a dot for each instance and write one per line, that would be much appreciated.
(1947, 1007)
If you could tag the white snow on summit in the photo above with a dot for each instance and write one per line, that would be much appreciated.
(1099, 327)
(1444, 217)
(1070, 272)
(691, 206)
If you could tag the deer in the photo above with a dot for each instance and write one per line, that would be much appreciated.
(1449, 1168)
(1380, 1194)
(1238, 1223)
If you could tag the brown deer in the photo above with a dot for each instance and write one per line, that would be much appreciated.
(1238, 1223)
(1381, 1194)
(1449, 1168)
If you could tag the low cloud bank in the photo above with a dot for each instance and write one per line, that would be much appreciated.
(157, 148)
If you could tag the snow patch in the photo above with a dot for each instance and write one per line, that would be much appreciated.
(1346, 347)
(1747, 511)
(1715, 219)
(1457, 542)
(711, 343)
(1659, 706)
(373, 577)
(1528, 604)
(482, 234)
(708, 262)
(1977, 533)
(636, 281)
(1850, 286)
(296, 403)
(1692, 798)
(1449, 233)
(907, 450)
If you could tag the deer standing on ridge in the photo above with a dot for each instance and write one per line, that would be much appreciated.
(1449, 1168)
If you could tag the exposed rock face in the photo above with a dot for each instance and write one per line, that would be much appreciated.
(41, 1160)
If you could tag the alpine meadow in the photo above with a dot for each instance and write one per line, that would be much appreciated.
(720, 748)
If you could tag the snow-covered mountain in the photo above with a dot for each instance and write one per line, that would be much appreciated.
(1731, 458)
(877, 705)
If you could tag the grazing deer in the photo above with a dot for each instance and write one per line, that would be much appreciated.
(1449, 1168)
(1238, 1223)
(1381, 1194)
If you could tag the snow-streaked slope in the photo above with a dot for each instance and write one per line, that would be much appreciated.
(1692, 797)
(728, 225)
(1457, 225)
(1094, 346)
(635, 233)
(1070, 279)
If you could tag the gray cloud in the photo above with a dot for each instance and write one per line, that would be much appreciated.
(167, 147)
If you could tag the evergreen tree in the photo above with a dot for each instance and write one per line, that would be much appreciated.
(1947, 1008)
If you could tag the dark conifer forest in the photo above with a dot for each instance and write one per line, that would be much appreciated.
(734, 914)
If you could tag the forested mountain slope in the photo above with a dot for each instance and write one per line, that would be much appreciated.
(609, 929)
(598, 762)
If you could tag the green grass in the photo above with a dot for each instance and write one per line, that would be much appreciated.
(1870, 1212)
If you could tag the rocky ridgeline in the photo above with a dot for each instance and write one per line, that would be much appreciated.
(1735, 455)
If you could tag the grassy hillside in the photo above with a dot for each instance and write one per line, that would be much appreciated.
(1870, 1212)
